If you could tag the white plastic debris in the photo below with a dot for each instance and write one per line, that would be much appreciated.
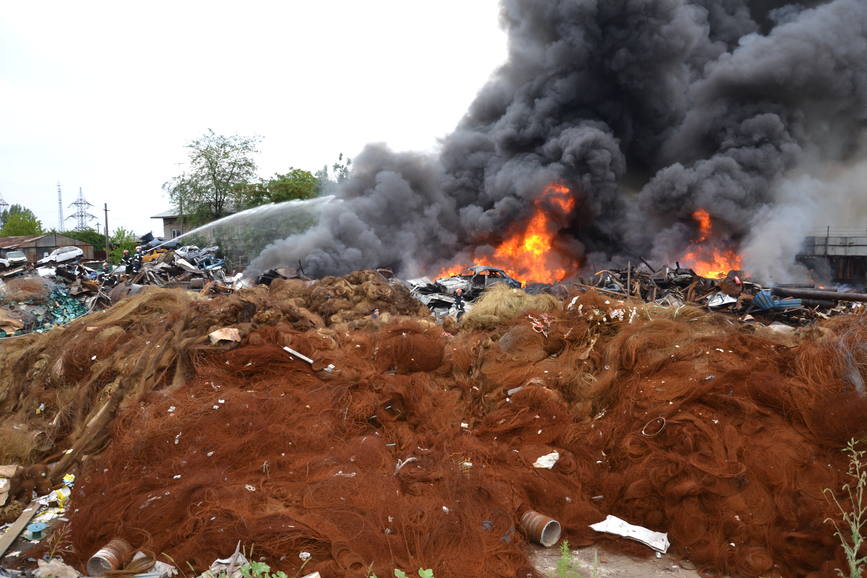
(225, 334)
(401, 463)
(547, 461)
(162, 570)
(300, 356)
(720, 300)
(614, 525)
(227, 567)
(55, 568)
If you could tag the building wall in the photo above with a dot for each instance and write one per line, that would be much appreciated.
(836, 245)
(39, 248)
(842, 254)
(172, 228)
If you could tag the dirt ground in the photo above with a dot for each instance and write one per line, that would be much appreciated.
(596, 563)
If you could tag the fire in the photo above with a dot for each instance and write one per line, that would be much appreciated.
(712, 263)
(530, 253)
(705, 260)
(702, 217)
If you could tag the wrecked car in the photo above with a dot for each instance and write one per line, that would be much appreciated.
(62, 255)
(12, 259)
(474, 280)
(439, 295)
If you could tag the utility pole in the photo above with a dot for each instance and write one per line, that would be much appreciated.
(59, 208)
(107, 241)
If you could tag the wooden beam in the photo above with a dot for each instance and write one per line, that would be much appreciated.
(15, 529)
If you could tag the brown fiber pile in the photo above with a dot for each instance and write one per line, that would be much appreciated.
(410, 452)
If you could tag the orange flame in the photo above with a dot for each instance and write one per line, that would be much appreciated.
(529, 253)
(712, 263)
(705, 260)
(702, 217)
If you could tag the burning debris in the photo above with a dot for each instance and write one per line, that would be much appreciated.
(734, 293)
(706, 259)
(447, 296)
(673, 131)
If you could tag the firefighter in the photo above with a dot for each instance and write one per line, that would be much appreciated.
(137, 259)
(459, 303)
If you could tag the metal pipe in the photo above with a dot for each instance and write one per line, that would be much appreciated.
(818, 302)
(798, 286)
(819, 294)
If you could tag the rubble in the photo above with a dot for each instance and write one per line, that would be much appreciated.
(439, 295)
(666, 287)
(735, 293)
(584, 404)
(77, 288)
(33, 305)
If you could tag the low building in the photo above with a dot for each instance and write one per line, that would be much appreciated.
(838, 253)
(174, 224)
(39, 246)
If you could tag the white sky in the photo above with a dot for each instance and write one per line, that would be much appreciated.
(104, 95)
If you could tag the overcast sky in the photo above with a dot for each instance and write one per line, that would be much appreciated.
(104, 95)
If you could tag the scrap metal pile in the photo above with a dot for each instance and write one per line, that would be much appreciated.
(37, 299)
(794, 304)
(185, 266)
(35, 305)
(293, 418)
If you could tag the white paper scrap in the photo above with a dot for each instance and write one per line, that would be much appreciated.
(614, 525)
(547, 461)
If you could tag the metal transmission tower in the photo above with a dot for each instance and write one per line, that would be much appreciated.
(3, 205)
(81, 216)
(59, 207)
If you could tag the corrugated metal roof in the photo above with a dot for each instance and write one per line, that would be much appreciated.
(19, 240)
(166, 214)
(59, 238)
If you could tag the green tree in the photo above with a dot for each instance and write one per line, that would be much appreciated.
(88, 236)
(339, 172)
(121, 239)
(219, 167)
(18, 220)
(295, 184)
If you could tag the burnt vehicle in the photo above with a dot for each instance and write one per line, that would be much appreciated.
(439, 295)
(476, 279)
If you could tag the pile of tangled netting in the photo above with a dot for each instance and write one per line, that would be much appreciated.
(408, 444)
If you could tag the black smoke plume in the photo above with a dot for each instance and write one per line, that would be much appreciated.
(646, 109)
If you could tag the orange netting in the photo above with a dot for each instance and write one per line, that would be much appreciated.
(417, 447)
